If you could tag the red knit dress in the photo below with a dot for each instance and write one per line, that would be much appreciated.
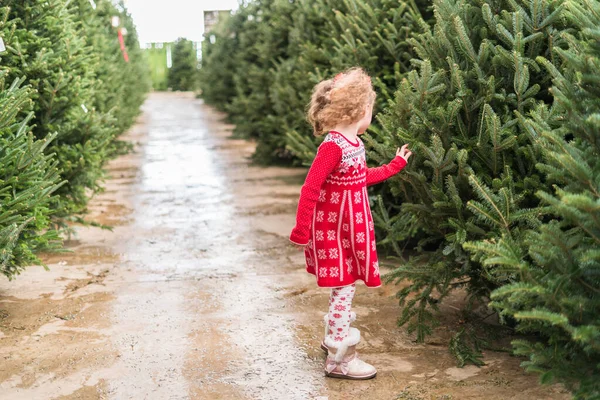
(334, 217)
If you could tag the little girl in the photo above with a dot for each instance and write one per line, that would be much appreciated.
(334, 226)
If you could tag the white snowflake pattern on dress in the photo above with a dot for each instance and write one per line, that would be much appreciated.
(357, 198)
(323, 272)
(322, 195)
(375, 268)
(320, 216)
(331, 235)
(333, 253)
(349, 265)
(360, 237)
(310, 261)
(371, 225)
(346, 227)
(335, 198)
(359, 217)
(321, 254)
(373, 246)
(360, 254)
(309, 245)
(332, 216)
(345, 243)
(319, 235)
(334, 272)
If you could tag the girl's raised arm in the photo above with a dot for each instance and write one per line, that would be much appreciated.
(380, 174)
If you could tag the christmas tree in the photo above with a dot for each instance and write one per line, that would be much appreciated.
(281, 49)
(263, 38)
(183, 72)
(473, 175)
(556, 268)
(51, 49)
(51, 52)
(28, 177)
(218, 67)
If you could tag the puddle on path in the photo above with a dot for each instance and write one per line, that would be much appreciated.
(196, 294)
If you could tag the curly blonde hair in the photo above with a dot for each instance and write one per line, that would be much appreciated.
(340, 100)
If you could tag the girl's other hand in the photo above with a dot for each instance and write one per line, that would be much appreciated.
(300, 247)
(404, 152)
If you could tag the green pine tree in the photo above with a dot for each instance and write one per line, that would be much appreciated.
(263, 39)
(217, 65)
(556, 290)
(51, 52)
(473, 175)
(29, 179)
(120, 86)
(183, 72)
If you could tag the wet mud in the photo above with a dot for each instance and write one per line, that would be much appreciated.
(197, 294)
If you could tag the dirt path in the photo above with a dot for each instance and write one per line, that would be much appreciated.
(196, 294)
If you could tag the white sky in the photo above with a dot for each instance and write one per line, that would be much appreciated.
(165, 21)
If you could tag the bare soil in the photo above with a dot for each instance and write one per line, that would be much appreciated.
(197, 294)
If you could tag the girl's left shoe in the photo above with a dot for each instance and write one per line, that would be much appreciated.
(342, 359)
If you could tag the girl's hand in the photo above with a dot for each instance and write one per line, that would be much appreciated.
(404, 152)
(300, 247)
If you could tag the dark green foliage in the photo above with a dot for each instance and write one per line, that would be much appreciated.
(49, 50)
(372, 35)
(78, 96)
(183, 72)
(264, 38)
(466, 348)
(218, 66)
(120, 87)
(473, 175)
(28, 179)
(84, 91)
(557, 292)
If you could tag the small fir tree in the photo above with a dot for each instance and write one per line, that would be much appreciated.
(134, 75)
(183, 72)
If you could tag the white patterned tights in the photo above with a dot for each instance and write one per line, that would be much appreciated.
(340, 304)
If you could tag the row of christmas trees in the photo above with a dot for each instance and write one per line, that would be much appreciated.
(500, 102)
(72, 80)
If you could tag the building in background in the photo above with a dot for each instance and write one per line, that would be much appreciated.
(212, 17)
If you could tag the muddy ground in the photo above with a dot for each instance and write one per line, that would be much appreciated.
(197, 294)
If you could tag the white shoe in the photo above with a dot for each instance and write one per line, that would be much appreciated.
(342, 359)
